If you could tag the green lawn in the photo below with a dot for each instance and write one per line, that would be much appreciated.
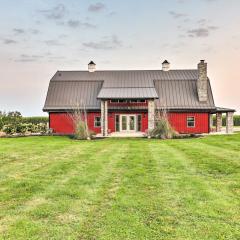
(58, 188)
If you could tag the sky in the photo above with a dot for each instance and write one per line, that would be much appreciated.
(39, 37)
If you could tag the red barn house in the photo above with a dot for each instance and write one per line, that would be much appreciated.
(125, 101)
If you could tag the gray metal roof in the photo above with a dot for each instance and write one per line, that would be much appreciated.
(126, 93)
(181, 94)
(176, 89)
(72, 94)
(128, 78)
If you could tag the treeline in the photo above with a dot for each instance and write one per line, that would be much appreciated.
(13, 122)
(236, 120)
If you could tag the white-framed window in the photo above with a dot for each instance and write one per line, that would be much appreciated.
(97, 121)
(191, 122)
(128, 101)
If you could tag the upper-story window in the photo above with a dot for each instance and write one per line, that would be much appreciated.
(128, 101)
(190, 122)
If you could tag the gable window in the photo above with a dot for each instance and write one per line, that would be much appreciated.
(190, 122)
(97, 121)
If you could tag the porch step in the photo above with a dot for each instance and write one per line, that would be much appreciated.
(125, 134)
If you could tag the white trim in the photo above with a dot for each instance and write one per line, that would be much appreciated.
(97, 121)
(128, 122)
(194, 122)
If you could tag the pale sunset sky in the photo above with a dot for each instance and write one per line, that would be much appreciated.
(39, 37)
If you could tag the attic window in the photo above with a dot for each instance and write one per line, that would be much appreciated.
(59, 74)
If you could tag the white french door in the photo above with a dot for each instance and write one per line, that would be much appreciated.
(128, 123)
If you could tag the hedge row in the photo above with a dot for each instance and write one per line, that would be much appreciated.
(236, 120)
(24, 128)
(34, 120)
(13, 122)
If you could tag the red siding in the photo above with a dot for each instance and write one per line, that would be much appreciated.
(61, 123)
(179, 122)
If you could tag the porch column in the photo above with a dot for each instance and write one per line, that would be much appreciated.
(218, 122)
(106, 118)
(102, 117)
(151, 114)
(210, 122)
(229, 122)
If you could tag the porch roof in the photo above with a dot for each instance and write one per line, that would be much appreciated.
(223, 110)
(128, 93)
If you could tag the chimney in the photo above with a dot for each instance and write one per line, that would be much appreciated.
(91, 67)
(165, 66)
(202, 81)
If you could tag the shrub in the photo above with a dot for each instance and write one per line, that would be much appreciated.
(9, 129)
(81, 131)
(21, 128)
(42, 128)
(163, 129)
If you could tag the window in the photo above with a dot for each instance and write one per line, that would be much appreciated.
(190, 122)
(139, 122)
(97, 122)
(114, 100)
(117, 123)
(128, 101)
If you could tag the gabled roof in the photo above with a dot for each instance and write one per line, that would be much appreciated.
(174, 88)
(181, 94)
(64, 95)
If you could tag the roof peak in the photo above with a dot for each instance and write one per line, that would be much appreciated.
(130, 70)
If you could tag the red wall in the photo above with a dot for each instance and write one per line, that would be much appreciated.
(179, 122)
(61, 122)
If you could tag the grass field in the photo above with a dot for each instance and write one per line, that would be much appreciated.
(58, 188)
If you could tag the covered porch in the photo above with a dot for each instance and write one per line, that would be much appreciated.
(125, 120)
(219, 112)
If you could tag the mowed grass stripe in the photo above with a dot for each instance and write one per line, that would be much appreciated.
(215, 160)
(133, 214)
(192, 201)
(124, 189)
(24, 191)
(74, 198)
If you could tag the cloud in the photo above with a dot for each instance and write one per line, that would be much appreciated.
(97, 7)
(76, 23)
(201, 32)
(18, 31)
(55, 13)
(34, 31)
(29, 58)
(9, 41)
(53, 43)
(107, 43)
(177, 15)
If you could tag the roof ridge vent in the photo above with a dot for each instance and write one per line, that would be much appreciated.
(91, 66)
(166, 66)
